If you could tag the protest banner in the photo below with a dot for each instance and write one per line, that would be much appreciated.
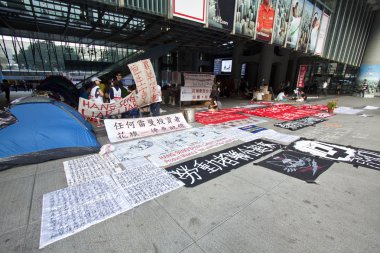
(198, 80)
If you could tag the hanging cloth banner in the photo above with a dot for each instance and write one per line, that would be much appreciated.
(198, 80)
(301, 76)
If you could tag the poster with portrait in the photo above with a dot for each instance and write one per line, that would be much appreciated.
(314, 30)
(265, 20)
(294, 23)
(245, 17)
(371, 73)
(281, 21)
(221, 14)
(322, 34)
(305, 26)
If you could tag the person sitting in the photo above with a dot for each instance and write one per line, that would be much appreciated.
(257, 95)
(281, 96)
(213, 107)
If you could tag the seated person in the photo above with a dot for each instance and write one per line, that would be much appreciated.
(281, 96)
(302, 97)
(257, 95)
(213, 107)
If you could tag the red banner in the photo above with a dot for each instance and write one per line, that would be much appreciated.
(301, 76)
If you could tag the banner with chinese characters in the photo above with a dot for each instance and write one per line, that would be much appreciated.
(145, 79)
(128, 129)
(195, 93)
(301, 76)
(202, 169)
(198, 80)
(91, 109)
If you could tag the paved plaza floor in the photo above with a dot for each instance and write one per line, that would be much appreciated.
(250, 209)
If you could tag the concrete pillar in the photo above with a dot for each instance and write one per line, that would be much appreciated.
(266, 60)
(236, 64)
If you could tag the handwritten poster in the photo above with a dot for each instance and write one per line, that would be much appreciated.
(145, 79)
(198, 80)
(128, 129)
(87, 168)
(202, 169)
(91, 109)
(70, 210)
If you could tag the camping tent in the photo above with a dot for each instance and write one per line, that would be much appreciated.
(45, 129)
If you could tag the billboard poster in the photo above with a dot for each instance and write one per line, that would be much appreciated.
(322, 34)
(305, 26)
(294, 23)
(281, 21)
(371, 73)
(301, 76)
(245, 17)
(221, 14)
(265, 20)
(191, 10)
(315, 25)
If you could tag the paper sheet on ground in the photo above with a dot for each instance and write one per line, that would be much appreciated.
(347, 110)
(370, 107)
(87, 168)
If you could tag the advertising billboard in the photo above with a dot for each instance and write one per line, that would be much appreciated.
(221, 14)
(322, 34)
(305, 26)
(265, 20)
(294, 23)
(193, 10)
(370, 73)
(245, 17)
(281, 21)
(315, 26)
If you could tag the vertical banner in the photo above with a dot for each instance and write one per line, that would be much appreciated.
(315, 25)
(221, 14)
(322, 34)
(245, 17)
(145, 79)
(295, 23)
(301, 76)
(305, 26)
(281, 21)
(193, 10)
(265, 20)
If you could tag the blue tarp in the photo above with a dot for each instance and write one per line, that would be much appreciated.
(45, 131)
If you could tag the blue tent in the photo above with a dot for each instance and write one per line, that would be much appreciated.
(45, 130)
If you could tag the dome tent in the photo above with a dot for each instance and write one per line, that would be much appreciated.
(45, 130)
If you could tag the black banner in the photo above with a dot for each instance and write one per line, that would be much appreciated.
(367, 158)
(298, 165)
(221, 14)
(299, 123)
(203, 169)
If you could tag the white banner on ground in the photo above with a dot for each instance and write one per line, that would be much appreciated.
(240, 123)
(128, 129)
(347, 110)
(87, 168)
(70, 210)
(145, 79)
(91, 109)
(198, 80)
(195, 93)
(166, 158)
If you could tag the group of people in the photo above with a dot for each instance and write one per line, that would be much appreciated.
(115, 91)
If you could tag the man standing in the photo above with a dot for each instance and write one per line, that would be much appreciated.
(324, 88)
(265, 21)
(364, 87)
(155, 107)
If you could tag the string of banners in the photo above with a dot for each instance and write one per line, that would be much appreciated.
(128, 129)
(146, 84)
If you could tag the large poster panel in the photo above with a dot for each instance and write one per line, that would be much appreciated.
(221, 14)
(322, 34)
(295, 23)
(198, 80)
(281, 21)
(305, 26)
(315, 26)
(245, 17)
(265, 20)
(371, 73)
(193, 10)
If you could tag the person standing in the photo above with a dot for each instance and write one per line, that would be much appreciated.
(324, 88)
(96, 95)
(364, 87)
(5, 87)
(156, 107)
